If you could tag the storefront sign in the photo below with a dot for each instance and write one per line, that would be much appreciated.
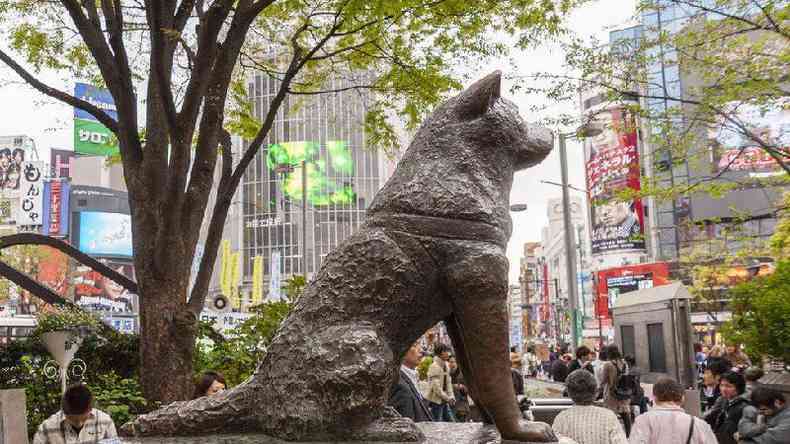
(31, 194)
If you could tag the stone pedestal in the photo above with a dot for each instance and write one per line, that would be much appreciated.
(435, 433)
(13, 417)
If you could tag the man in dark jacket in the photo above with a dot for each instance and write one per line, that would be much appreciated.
(404, 396)
(559, 368)
(728, 410)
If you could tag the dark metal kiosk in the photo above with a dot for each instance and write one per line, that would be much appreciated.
(654, 326)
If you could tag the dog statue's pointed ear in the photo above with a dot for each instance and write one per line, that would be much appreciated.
(477, 99)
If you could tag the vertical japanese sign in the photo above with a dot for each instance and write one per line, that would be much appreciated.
(612, 165)
(31, 195)
(275, 283)
(56, 208)
(90, 136)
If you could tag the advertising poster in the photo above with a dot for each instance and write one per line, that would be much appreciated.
(53, 270)
(615, 281)
(90, 136)
(105, 234)
(612, 165)
(95, 292)
(31, 197)
(11, 162)
(733, 150)
(8, 210)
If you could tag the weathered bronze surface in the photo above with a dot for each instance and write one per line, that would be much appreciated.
(432, 249)
(434, 432)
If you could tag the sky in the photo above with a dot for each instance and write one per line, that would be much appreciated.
(24, 111)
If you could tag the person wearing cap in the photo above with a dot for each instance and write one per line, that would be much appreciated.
(77, 422)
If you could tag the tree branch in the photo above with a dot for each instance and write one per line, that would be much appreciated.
(100, 115)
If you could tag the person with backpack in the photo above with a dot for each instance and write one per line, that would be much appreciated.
(618, 386)
(638, 401)
(667, 422)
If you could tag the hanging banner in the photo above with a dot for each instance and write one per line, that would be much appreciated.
(275, 284)
(224, 278)
(612, 165)
(31, 194)
(235, 276)
(257, 279)
(90, 136)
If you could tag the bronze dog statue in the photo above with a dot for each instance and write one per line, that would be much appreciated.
(432, 249)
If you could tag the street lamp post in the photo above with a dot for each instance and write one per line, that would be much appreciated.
(304, 219)
(570, 251)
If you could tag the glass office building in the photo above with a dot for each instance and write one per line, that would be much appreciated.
(690, 221)
(317, 141)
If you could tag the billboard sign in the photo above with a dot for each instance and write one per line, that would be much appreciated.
(90, 136)
(615, 281)
(94, 292)
(105, 234)
(31, 204)
(612, 165)
(733, 150)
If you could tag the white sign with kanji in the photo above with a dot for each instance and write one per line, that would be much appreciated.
(31, 193)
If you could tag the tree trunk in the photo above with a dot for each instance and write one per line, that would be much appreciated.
(167, 339)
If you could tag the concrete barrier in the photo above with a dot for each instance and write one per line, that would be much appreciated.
(13, 417)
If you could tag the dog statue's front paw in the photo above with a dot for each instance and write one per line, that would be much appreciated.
(530, 431)
(390, 429)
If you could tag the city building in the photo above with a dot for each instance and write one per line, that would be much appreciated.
(554, 282)
(308, 187)
(516, 317)
(530, 274)
(665, 234)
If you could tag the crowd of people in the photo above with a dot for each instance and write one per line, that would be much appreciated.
(609, 404)
(609, 401)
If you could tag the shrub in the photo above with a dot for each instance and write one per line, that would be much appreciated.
(65, 318)
(238, 355)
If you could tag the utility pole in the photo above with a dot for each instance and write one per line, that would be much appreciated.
(570, 251)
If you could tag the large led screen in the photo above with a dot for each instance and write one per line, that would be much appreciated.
(325, 185)
(105, 234)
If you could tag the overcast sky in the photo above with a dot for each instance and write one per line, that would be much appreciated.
(24, 111)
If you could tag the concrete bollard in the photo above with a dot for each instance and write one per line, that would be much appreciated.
(13, 417)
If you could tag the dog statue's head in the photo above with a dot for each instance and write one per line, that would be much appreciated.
(479, 117)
